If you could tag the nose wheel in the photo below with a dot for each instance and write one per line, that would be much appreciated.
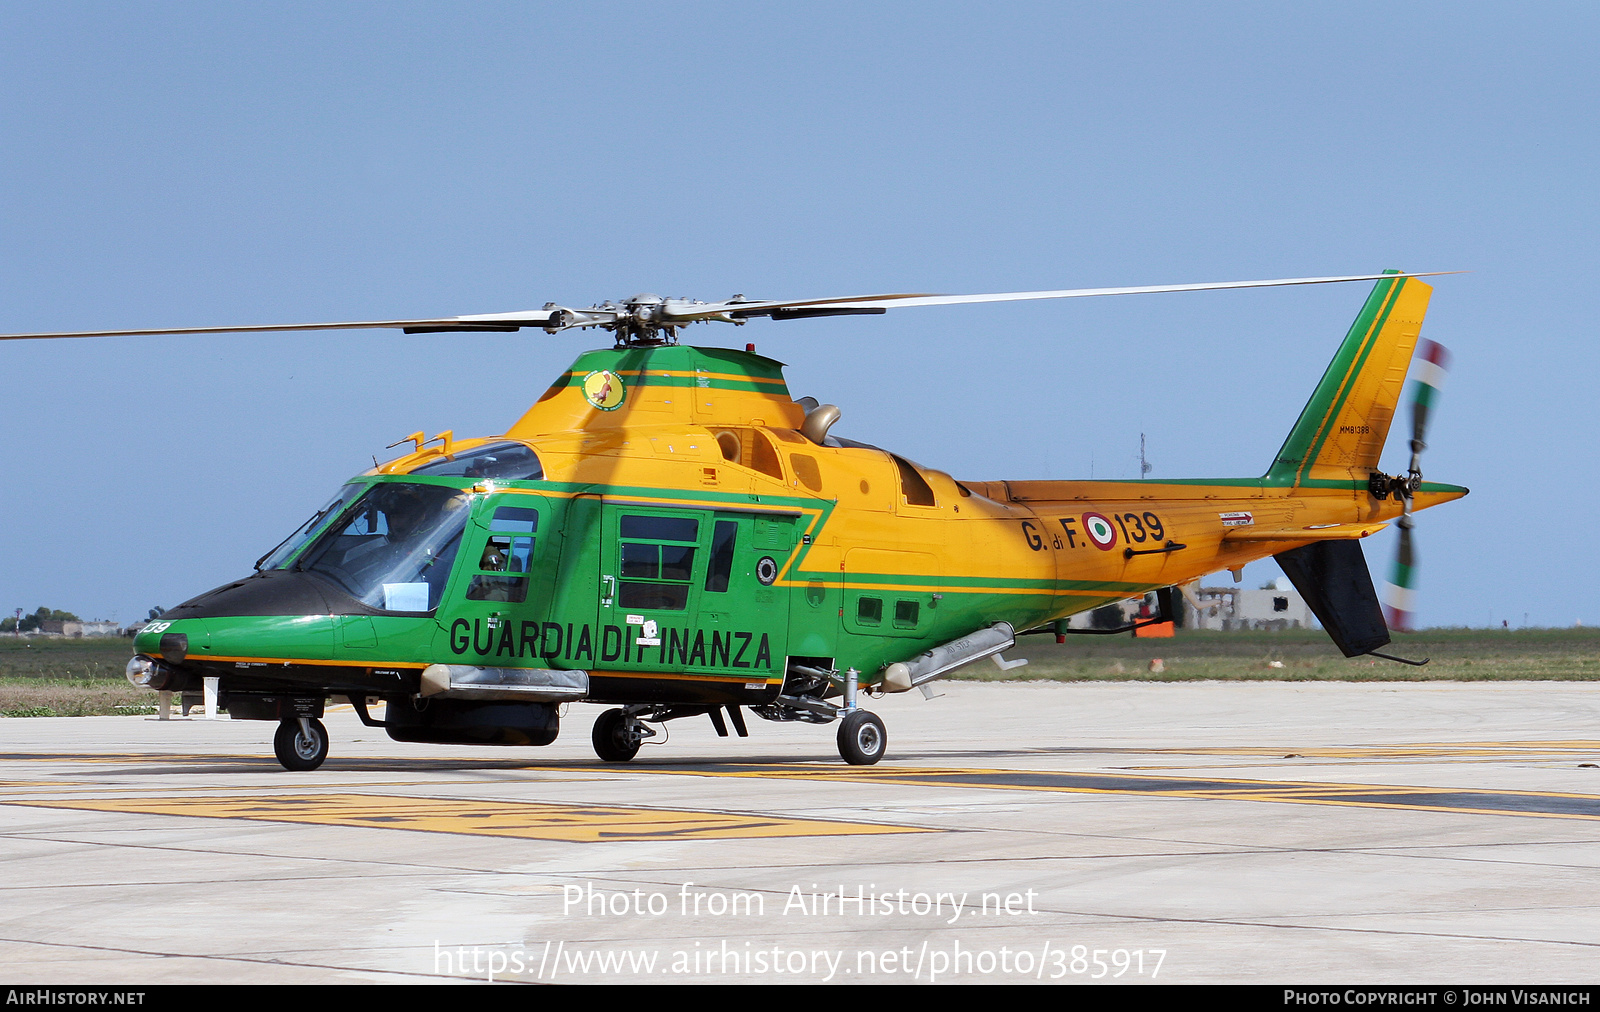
(862, 738)
(301, 744)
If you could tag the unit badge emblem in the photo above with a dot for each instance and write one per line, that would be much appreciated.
(604, 390)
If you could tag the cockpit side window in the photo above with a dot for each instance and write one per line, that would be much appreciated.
(507, 557)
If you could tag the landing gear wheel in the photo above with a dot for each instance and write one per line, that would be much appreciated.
(862, 738)
(612, 742)
(298, 750)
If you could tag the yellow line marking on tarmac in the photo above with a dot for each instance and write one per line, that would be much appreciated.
(1108, 782)
(1415, 750)
(33, 788)
(1302, 761)
(130, 758)
(522, 820)
(1537, 804)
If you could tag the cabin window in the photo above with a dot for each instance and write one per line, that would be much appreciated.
(655, 571)
(657, 562)
(905, 614)
(869, 611)
(660, 528)
(720, 572)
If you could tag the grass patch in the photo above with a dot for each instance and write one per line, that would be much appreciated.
(1305, 655)
(33, 697)
(80, 678)
(31, 711)
(94, 657)
(44, 677)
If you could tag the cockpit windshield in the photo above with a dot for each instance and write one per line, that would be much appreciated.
(393, 548)
(291, 544)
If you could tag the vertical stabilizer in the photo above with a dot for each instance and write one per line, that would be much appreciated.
(1332, 576)
(1341, 431)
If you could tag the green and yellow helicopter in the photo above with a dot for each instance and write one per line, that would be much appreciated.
(669, 532)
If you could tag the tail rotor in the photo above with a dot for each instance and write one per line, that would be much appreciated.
(1399, 598)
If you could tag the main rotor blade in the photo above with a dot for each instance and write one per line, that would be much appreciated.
(869, 303)
(675, 312)
(489, 322)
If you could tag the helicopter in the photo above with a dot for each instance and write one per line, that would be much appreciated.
(668, 532)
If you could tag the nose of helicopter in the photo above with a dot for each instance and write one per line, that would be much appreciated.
(270, 617)
(239, 641)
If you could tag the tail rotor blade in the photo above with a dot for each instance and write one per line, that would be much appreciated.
(1434, 363)
(1400, 595)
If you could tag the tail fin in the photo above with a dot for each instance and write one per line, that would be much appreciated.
(1332, 576)
(1342, 429)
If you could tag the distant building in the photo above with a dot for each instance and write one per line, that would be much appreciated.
(1230, 608)
(73, 630)
(1220, 608)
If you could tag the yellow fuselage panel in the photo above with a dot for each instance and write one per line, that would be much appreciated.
(1080, 542)
(658, 397)
(1041, 537)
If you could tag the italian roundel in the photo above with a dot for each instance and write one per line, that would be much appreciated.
(1100, 531)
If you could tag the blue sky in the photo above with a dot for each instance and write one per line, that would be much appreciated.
(194, 164)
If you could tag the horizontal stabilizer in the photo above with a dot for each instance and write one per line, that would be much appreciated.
(1325, 532)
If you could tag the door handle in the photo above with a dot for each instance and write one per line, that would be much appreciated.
(608, 590)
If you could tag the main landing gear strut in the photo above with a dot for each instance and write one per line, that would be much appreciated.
(862, 738)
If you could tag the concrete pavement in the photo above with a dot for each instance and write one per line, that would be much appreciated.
(1191, 832)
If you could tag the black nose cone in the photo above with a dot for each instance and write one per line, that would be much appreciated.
(274, 592)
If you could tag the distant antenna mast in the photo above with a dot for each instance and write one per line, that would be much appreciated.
(1144, 465)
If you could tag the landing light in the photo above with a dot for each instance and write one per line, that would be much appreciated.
(140, 671)
(149, 674)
